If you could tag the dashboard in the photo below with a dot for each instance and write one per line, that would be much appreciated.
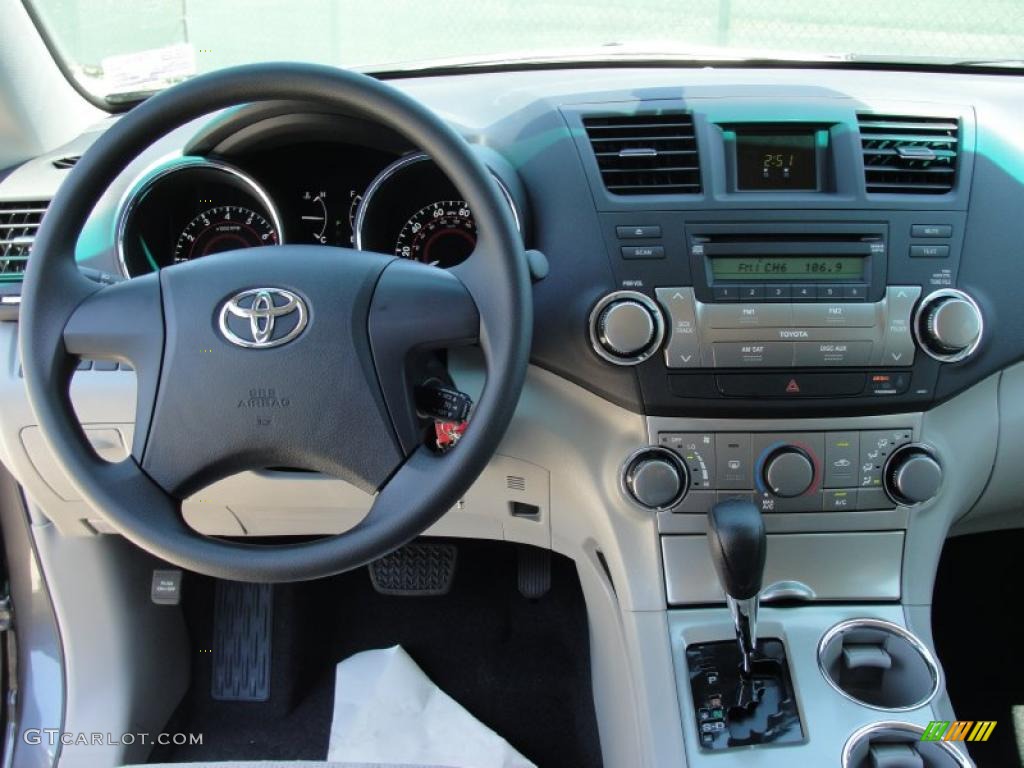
(795, 287)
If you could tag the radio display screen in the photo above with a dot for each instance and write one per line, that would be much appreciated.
(776, 161)
(762, 268)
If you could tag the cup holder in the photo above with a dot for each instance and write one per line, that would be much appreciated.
(899, 744)
(879, 664)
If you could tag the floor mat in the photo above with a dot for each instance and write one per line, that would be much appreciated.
(978, 641)
(520, 666)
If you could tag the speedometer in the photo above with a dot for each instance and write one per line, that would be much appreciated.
(223, 228)
(442, 234)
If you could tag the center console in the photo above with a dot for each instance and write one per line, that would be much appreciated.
(788, 322)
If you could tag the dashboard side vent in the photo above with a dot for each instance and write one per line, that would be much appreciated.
(646, 154)
(909, 155)
(18, 224)
(67, 162)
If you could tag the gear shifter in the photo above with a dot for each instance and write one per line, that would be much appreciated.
(737, 540)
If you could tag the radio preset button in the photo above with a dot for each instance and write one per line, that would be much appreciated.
(834, 315)
(742, 354)
(747, 315)
(752, 293)
(855, 292)
(830, 291)
(804, 292)
(827, 353)
(775, 292)
(725, 293)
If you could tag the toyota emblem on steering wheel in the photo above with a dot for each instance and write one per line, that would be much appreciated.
(261, 318)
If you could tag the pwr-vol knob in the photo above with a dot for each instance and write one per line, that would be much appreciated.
(626, 327)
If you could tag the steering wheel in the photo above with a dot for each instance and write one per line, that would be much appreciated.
(321, 382)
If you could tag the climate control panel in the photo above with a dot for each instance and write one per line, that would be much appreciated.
(851, 470)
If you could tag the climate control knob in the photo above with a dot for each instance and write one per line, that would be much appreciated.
(789, 472)
(626, 327)
(912, 475)
(655, 478)
(948, 325)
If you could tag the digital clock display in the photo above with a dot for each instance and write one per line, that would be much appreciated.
(765, 268)
(776, 161)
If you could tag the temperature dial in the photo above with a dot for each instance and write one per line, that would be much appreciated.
(626, 327)
(948, 325)
(789, 472)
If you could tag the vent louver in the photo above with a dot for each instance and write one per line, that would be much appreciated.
(18, 224)
(909, 155)
(64, 163)
(646, 154)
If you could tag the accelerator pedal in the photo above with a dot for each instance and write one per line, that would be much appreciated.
(419, 569)
(534, 572)
(242, 622)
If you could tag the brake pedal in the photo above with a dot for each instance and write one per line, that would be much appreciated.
(242, 624)
(416, 570)
(534, 572)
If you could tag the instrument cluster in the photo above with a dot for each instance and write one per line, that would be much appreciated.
(317, 193)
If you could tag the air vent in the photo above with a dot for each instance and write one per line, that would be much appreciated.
(909, 155)
(64, 163)
(18, 224)
(515, 483)
(646, 154)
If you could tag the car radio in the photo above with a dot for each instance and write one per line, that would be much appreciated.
(747, 306)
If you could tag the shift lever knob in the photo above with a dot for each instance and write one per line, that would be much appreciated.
(737, 540)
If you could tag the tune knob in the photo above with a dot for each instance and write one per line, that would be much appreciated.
(949, 325)
(626, 327)
(655, 478)
(912, 475)
(789, 472)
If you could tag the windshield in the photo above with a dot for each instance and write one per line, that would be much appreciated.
(119, 49)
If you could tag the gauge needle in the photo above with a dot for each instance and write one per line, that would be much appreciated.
(312, 218)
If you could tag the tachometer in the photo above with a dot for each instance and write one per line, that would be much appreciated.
(223, 228)
(442, 234)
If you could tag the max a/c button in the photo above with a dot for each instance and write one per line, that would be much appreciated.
(789, 385)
